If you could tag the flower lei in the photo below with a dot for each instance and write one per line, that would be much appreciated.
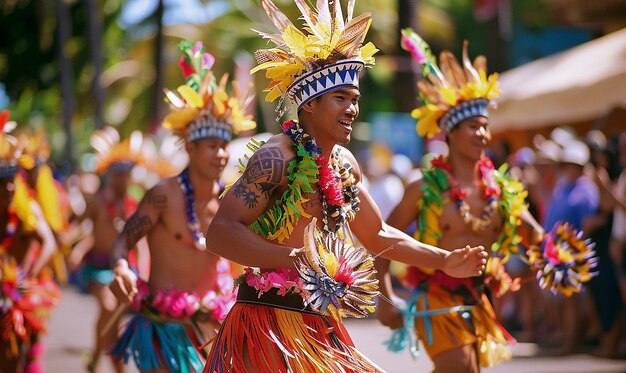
(192, 218)
(511, 205)
(491, 193)
(335, 178)
(286, 280)
(178, 304)
(501, 191)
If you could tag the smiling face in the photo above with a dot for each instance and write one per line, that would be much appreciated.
(333, 114)
(208, 157)
(470, 138)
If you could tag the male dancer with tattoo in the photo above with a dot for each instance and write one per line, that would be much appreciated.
(190, 289)
(275, 326)
(108, 210)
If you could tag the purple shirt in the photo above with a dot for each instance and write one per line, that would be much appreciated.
(572, 202)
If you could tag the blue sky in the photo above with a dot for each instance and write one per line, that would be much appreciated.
(176, 11)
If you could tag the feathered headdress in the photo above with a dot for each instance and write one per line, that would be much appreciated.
(167, 159)
(451, 93)
(11, 150)
(116, 155)
(327, 54)
(35, 144)
(204, 109)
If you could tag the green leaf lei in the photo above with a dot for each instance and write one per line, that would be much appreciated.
(511, 205)
(278, 222)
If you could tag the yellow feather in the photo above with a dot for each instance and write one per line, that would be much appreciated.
(179, 119)
(190, 96)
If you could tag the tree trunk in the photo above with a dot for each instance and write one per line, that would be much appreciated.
(405, 77)
(157, 95)
(67, 84)
(95, 37)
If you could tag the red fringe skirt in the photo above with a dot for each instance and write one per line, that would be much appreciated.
(261, 334)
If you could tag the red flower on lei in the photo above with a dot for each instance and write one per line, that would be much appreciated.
(486, 169)
(329, 182)
(441, 162)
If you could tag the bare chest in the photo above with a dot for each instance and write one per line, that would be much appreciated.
(180, 220)
(454, 222)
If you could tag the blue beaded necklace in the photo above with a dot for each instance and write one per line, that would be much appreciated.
(192, 217)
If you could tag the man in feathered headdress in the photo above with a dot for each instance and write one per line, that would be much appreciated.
(453, 317)
(27, 294)
(288, 311)
(107, 210)
(189, 290)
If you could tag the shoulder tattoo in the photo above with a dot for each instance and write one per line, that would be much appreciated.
(265, 171)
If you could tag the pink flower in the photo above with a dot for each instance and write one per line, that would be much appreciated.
(259, 282)
(162, 302)
(487, 170)
(207, 61)
(178, 305)
(276, 280)
(223, 266)
(199, 46)
(142, 293)
(329, 182)
(225, 284)
(413, 49)
(193, 304)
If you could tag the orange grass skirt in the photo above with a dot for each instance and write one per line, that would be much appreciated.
(451, 330)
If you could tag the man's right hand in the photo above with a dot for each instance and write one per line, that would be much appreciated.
(389, 315)
(124, 285)
(466, 262)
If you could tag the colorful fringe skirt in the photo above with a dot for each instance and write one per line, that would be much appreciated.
(24, 313)
(276, 334)
(155, 344)
(452, 330)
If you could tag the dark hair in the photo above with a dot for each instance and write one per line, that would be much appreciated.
(612, 154)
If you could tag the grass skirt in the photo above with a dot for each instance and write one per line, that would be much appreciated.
(282, 340)
(159, 345)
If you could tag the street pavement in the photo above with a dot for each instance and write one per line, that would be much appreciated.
(71, 337)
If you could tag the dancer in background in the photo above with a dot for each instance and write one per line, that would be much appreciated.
(108, 210)
(190, 289)
(28, 292)
(463, 199)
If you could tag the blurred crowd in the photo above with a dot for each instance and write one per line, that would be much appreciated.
(569, 178)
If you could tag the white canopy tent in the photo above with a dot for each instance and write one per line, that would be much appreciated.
(582, 83)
